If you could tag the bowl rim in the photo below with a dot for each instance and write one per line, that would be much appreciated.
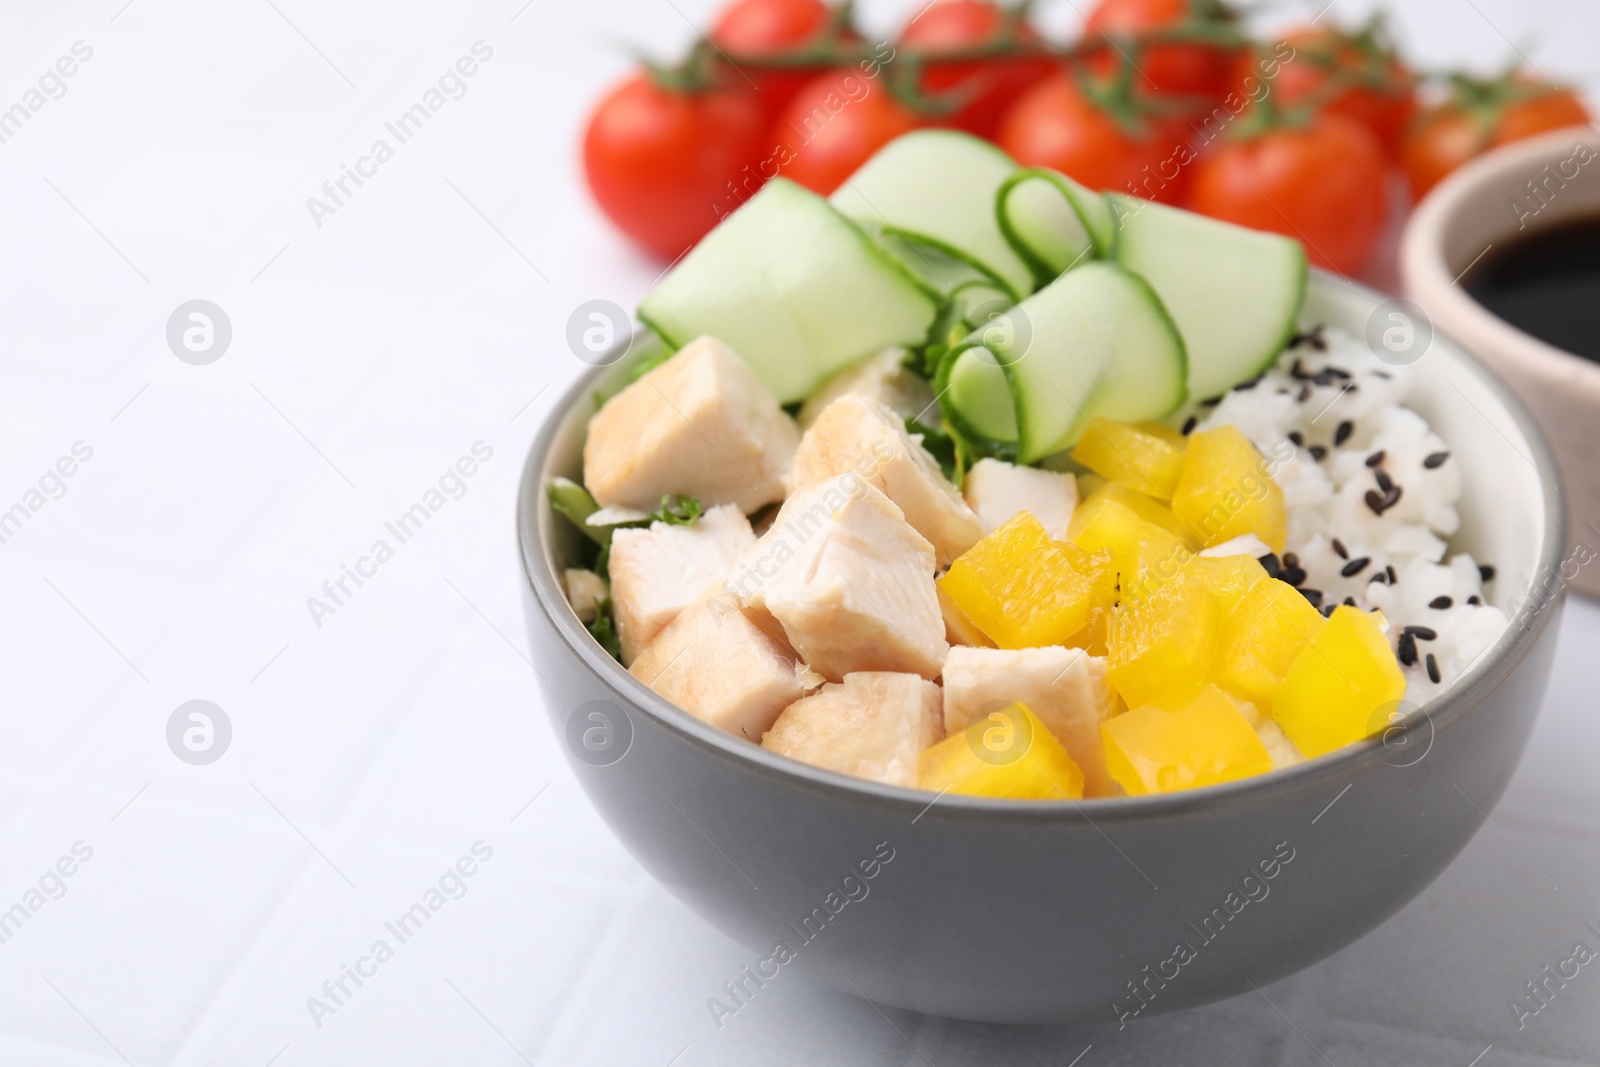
(1522, 632)
(1427, 277)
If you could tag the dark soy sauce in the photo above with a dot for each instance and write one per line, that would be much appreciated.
(1548, 285)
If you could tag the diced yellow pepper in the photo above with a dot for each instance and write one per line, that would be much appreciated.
(1089, 483)
(1018, 588)
(1101, 569)
(1226, 492)
(1147, 508)
(1175, 438)
(1208, 741)
(1340, 684)
(958, 629)
(1145, 554)
(1262, 637)
(1007, 753)
(1162, 648)
(1132, 455)
(1229, 577)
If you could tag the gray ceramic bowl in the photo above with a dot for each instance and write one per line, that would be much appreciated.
(1034, 912)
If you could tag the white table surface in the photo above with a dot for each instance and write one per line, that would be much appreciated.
(371, 752)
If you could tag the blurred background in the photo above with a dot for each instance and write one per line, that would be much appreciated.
(200, 890)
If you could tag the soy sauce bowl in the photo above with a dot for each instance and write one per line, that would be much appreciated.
(1040, 912)
(1524, 188)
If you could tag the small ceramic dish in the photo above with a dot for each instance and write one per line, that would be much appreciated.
(1041, 912)
(1523, 188)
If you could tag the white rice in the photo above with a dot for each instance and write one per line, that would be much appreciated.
(1328, 500)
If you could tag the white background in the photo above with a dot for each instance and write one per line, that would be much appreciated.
(371, 752)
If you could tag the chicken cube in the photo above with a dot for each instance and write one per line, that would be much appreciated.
(860, 435)
(701, 424)
(1065, 687)
(884, 378)
(719, 666)
(659, 571)
(847, 581)
(585, 590)
(872, 725)
(997, 491)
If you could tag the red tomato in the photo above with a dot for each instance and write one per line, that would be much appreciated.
(659, 161)
(954, 25)
(1322, 183)
(1479, 116)
(834, 125)
(1056, 125)
(1355, 75)
(770, 28)
(1197, 69)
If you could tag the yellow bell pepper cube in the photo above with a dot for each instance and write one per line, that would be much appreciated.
(958, 629)
(1146, 507)
(1342, 685)
(1101, 569)
(1229, 577)
(1018, 588)
(1146, 555)
(1135, 456)
(1261, 639)
(1226, 492)
(1007, 753)
(1163, 647)
(1208, 741)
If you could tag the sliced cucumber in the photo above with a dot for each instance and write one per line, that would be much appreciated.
(795, 288)
(1096, 341)
(1234, 293)
(937, 188)
(1053, 222)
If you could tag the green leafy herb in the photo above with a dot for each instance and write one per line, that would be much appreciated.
(604, 628)
(675, 510)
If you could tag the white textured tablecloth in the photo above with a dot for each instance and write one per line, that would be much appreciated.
(394, 738)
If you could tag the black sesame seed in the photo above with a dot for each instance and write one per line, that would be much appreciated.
(1423, 633)
(1298, 438)
(1354, 567)
(1291, 560)
(1270, 564)
(1391, 496)
(1440, 603)
(1318, 453)
(1374, 501)
(1342, 434)
(1436, 460)
(1338, 546)
(1475, 601)
(1408, 649)
(1293, 575)
(1327, 612)
(1485, 572)
(1299, 372)
(1304, 394)
(1375, 459)
(1313, 595)
(1385, 375)
(1189, 424)
(1380, 577)
(1350, 601)
(1385, 483)
(1394, 579)
(1433, 669)
(1211, 401)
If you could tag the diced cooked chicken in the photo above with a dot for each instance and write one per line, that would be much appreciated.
(847, 580)
(701, 424)
(719, 666)
(659, 571)
(1065, 687)
(585, 590)
(997, 490)
(884, 378)
(860, 435)
(872, 725)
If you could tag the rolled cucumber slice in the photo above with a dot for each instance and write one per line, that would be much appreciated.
(795, 288)
(1234, 293)
(1096, 341)
(1053, 222)
(937, 188)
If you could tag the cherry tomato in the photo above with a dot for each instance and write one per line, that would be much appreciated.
(1189, 69)
(1056, 125)
(954, 25)
(770, 28)
(1478, 116)
(1357, 75)
(1322, 183)
(835, 124)
(658, 160)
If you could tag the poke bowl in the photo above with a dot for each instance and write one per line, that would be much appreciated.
(901, 862)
